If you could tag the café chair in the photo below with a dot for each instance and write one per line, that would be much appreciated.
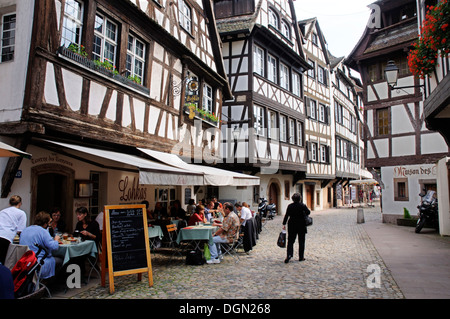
(230, 248)
(93, 262)
(172, 231)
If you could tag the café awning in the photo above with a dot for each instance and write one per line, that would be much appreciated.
(150, 172)
(7, 150)
(212, 176)
(364, 182)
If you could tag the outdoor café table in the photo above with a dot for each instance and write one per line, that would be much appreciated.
(68, 251)
(196, 234)
(154, 232)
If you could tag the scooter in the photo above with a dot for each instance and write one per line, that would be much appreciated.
(267, 210)
(428, 211)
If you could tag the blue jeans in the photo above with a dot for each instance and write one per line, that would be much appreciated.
(214, 249)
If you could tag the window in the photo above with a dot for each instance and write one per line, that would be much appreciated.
(283, 128)
(273, 19)
(314, 39)
(259, 120)
(322, 113)
(285, 29)
(313, 152)
(258, 60)
(185, 16)
(287, 189)
(292, 131)
(401, 189)
(300, 134)
(207, 98)
(323, 153)
(105, 39)
(383, 121)
(272, 68)
(284, 76)
(312, 72)
(272, 125)
(312, 109)
(321, 76)
(338, 147)
(338, 113)
(8, 37)
(72, 23)
(296, 84)
(135, 58)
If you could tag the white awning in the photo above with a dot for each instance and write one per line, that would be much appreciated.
(364, 182)
(150, 172)
(7, 150)
(212, 176)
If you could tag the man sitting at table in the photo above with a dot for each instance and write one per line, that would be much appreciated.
(225, 234)
(38, 234)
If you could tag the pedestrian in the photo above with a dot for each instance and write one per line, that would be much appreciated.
(295, 218)
(13, 221)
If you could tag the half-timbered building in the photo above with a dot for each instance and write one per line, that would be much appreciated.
(85, 83)
(437, 113)
(398, 146)
(347, 101)
(264, 61)
(319, 126)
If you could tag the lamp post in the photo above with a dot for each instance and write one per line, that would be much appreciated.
(391, 75)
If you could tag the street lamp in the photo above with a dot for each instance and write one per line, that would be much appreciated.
(391, 75)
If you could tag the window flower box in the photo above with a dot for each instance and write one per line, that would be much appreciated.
(105, 69)
(193, 111)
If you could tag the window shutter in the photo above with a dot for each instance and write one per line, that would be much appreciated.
(308, 106)
(309, 151)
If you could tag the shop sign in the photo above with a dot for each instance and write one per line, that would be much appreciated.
(427, 170)
(50, 159)
(131, 192)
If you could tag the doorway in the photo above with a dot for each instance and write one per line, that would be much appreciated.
(52, 186)
(310, 196)
(274, 193)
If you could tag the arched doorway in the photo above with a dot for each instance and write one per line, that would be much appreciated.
(274, 194)
(52, 185)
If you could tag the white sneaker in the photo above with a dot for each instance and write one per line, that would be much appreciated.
(213, 261)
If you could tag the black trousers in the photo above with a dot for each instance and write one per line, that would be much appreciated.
(292, 235)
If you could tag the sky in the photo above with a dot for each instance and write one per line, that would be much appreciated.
(341, 21)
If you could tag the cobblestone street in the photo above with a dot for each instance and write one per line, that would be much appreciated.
(338, 253)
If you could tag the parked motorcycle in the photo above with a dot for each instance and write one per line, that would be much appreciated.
(428, 211)
(267, 210)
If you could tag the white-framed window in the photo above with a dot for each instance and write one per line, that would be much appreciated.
(323, 153)
(135, 64)
(272, 125)
(338, 147)
(296, 84)
(285, 29)
(271, 68)
(72, 23)
(105, 39)
(7, 37)
(321, 76)
(300, 133)
(258, 60)
(208, 98)
(273, 18)
(314, 152)
(284, 76)
(312, 109)
(312, 72)
(283, 128)
(322, 113)
(259, 120)
(291, 131)
(185, 16)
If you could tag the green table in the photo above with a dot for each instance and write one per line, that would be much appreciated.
(68, 251)
(154, 232)
(196, 234)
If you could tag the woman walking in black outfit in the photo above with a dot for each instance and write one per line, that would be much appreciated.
(295, 218)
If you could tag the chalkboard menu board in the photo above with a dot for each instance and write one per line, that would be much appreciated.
(127, 238)
(127, 243)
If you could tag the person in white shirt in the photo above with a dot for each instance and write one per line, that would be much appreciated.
(12, 221)
(244, 212)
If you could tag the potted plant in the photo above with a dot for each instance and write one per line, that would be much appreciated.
(407, 220)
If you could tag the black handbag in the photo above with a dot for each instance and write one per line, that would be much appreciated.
(281, 242)
(308, 220)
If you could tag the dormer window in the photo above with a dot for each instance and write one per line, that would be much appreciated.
(185, 16)
(273, 19)
(285, 29)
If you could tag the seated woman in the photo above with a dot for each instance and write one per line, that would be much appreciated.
(86, 228)
(38, 234)
(57, 225)
(198, 216)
